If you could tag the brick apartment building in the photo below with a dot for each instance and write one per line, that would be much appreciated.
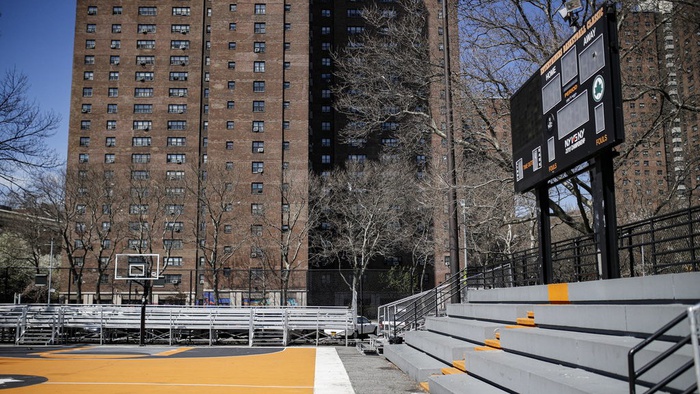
(225, 105)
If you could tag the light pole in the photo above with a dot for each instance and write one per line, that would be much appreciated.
(463, 204)
(48, 297)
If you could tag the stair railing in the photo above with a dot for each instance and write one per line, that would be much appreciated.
(634, 374)
(409, 313)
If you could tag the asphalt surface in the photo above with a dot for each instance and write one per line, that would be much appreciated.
(373, 374)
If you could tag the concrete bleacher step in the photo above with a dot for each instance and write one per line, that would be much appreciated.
(506, 313)
(632, 319)
(460, 384)
(527, 375)
(413, 362)
(596, 352)
(475, 331)
(438, 346)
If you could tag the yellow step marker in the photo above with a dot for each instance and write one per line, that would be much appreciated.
(558, 293)
(424, 386)
(525, 321)
(494, 343)
(531, 314)
(460, 364)
(484, 348)
(498, 335)
(451, 371)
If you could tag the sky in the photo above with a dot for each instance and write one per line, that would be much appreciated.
(36, 38)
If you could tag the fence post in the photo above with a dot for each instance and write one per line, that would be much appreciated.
(692, 248)
(652, 234)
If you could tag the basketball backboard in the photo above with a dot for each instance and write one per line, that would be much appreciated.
(137, 266)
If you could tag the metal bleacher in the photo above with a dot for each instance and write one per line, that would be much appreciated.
(41, 324)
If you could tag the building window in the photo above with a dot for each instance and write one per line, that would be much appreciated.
(110, 142)
(111, 125)
(256, 230)
(232, 65)
(232, 26)
(175, 158)
(117, 10)
(181, 11)
(141, 158)
(258, 126)
(256, 188)
(182, 29)
(177, 108)
(230, 104)
(84, 125)
(352, 30)
(177, 124)
(172, 261)
(326, 13)
(259, 67)
(179, 44)
(325, 30)
(113, 92)
(145, 60)
(144, 76)
(258, 106)
(141, 141)
(114, 60)
(179, 60)
(114, 75)
(258, 86)
(256, 209)
(259, 9)
(230, 124)
(145, 44)
(232, 45)
(109, 158)
(178, 76)
(231, 85)
(148, 11)
(140, 174)
(229, 165)
(285, 145)
(326, 142)
(88, 75)
(115, 44)
(326, 159)
(287, 26)
(144, 125)
(259, 47)
(116, 28)
(258, 147)
(87, 92)
(143, 92)
(89, 44)
(175, 175)
(89, 60)
(258, 167)
(259, 28)
(229, 145)
(84, 141)
(91, 28)
(177, 92)
(143, 108)
(176, 141)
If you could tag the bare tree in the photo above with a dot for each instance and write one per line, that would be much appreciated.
(23, 130)
(361, 215)
(218, 190)
(287, 230)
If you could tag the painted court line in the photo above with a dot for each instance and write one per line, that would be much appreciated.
(330, 377)
(172, 384)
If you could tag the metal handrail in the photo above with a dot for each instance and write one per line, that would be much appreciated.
(635, 374)
(410, 312)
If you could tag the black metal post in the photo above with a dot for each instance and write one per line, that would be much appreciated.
(144, 302)
(604, 215)
(545, 234)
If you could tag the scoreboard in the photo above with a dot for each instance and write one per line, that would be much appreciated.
(570, 109)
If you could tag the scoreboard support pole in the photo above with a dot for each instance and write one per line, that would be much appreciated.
(545, 233)
(604, 215)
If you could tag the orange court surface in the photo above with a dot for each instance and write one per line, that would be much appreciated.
(163, 369)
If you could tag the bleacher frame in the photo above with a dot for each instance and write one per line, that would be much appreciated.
(173, 324)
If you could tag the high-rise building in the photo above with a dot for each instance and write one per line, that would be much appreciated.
(193, 126)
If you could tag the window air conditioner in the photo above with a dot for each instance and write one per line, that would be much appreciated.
(181, 94)
(85, 111)
(256, 129)
(184, 31)
(181, 111)
(176, 78)
(183, 46)
(261, 150)
(258, 170)
(146, 128)
(142, 62)
(183, 63)
(116, 63)
(142, 79)
(175, 281)
(113, 46)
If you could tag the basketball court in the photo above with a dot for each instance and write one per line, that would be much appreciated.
(162, 369)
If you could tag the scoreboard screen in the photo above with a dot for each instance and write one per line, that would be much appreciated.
(570, 109)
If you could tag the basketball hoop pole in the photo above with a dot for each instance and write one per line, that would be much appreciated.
(144, 301)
